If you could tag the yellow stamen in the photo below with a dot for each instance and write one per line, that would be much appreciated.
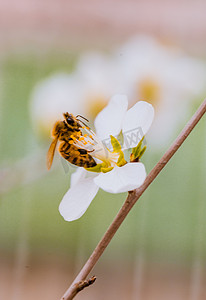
(73, 137)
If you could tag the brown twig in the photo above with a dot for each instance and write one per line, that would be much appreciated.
(79, 286)
(132, 198)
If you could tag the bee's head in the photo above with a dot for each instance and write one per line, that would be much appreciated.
(71, 120)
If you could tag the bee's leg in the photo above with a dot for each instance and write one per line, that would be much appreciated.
(82, 151)
(89, 151)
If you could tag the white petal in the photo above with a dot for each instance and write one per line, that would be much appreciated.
(78, 175)
(122, 179)
(78, 198)
(109, 120)
(136, 123)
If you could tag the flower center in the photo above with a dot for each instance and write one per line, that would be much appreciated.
(149, 90)
(95, 103)
(95, 147)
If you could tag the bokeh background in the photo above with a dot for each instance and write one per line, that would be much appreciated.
(73, 55)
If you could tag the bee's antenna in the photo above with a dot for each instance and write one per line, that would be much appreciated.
(82, 118)
(83, 123)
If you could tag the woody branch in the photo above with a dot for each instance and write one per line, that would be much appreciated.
(132, 198)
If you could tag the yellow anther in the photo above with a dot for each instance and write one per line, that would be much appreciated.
(85, 135)
(83, 127)
(73, 137)
(91, 137)
(81, 138)
(87, 128)
(71, 142)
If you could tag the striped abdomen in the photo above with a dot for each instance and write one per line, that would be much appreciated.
(76, 156)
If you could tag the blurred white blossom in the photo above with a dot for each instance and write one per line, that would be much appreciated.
(51, 97)
(164, 76)
(97, 74)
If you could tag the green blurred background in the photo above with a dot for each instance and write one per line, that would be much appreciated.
(161, 244)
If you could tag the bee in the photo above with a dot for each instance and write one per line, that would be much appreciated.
(65, 132)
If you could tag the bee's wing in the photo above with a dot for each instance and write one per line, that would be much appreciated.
(50, 153)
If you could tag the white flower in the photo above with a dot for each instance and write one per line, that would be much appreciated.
(114, 176)
(164, 76)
